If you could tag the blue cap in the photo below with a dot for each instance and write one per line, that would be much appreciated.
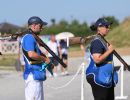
(102, 22)
(36, 20)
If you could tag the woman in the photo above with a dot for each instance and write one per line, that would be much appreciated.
(100, 73)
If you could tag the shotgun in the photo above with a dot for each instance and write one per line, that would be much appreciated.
(80, 40)
(116, 54)
(41, 43)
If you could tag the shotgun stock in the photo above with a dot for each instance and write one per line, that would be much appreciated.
(80, 40)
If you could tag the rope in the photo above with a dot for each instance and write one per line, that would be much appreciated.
(67, 82)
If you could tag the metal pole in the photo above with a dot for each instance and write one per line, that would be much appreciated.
(67, 41)
(82, 81)
(122, 85)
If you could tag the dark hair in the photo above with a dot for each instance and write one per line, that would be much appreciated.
(93, 27)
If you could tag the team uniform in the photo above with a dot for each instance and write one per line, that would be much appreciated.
(102, 77)
(33, 83)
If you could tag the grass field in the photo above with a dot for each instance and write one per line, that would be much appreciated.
(8, 60)
(120, 36)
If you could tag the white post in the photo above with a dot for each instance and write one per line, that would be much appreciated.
(122, 84)
(67, 41)
(82, 81)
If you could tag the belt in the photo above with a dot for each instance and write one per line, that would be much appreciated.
(35, 62)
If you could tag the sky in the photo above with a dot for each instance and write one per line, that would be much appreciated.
(18, 11)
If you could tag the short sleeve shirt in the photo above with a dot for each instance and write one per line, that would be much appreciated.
(29, 43)
(97, 47)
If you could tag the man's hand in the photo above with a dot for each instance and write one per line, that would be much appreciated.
(47, 61)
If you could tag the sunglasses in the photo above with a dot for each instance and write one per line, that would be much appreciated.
(107, 26)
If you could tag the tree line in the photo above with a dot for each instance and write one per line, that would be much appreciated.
(75, 27)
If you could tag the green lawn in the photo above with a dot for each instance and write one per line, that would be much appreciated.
(8, 60)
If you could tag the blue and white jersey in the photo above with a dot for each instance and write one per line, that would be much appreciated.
(29, 43)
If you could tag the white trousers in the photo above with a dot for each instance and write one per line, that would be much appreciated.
(33, 89)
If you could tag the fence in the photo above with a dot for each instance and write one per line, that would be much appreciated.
(9, 47)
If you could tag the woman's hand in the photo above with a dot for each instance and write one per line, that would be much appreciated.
(110, 48)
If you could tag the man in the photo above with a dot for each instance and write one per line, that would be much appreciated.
(55, 47)
(33, 61)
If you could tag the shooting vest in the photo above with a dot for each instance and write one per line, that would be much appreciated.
(31, 65)
(104, 73)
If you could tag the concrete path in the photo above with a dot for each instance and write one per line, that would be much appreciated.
(12, 85)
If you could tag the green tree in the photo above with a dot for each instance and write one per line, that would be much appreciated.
(75, 27)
